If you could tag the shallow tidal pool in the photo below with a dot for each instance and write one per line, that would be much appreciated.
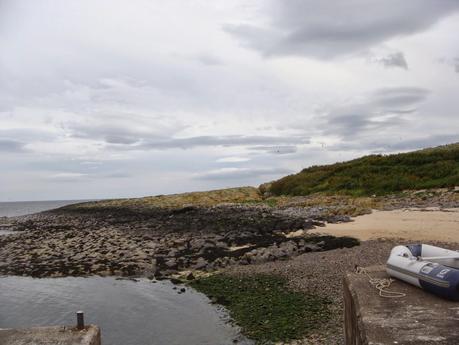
(128, 312)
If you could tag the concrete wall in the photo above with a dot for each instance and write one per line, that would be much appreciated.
(58, 335)
(354, 331)
(418, 318)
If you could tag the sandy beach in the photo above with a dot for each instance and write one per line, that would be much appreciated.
(408, 224)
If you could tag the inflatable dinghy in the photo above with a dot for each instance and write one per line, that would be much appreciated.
(431, 268)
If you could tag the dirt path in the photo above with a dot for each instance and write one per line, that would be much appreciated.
(409, 224)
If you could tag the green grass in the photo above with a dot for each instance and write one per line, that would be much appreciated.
(377, 174)
(264, 307)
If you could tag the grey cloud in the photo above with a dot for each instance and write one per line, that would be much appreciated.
(80, 177)
(393, 60)
(122, 138)
(209, 60)
(363, 120)
(67, 177)
(399, 144)
(421, 142)
(124, 129)
(7, 145)
(64, 167)
(109, 133)
(401, 111)
(26, 135)
(400, 96)
(383, 109)
(454, 62)
(226, 141)
(357, 124)
(279, 150)
(326, 29)
(242, 173)
(118, 139)
(116, 175)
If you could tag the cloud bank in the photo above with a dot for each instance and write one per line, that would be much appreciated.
(110, 99)
(329, 28)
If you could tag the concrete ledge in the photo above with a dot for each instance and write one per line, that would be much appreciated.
(419, 318)
(58, 335)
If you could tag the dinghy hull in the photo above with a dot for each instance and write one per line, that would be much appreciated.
(404, 263)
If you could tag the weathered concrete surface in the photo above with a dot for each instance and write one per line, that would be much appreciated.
(419, 318)
(58, 335)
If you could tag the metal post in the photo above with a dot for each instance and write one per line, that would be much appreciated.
(80, 319)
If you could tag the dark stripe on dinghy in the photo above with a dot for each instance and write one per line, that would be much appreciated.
(428, 279)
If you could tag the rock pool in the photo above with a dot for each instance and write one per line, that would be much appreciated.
(128, 312)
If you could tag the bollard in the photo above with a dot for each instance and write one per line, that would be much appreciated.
(80, 319)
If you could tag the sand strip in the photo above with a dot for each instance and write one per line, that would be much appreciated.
(414, 225)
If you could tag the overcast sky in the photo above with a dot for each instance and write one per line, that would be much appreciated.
(107, 98)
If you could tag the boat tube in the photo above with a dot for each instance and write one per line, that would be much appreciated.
(431, 268)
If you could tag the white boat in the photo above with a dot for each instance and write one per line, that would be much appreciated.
(431, 268)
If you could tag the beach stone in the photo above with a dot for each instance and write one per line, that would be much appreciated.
(171, 263)
(200, 263)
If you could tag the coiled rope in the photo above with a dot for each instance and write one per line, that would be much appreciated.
(381, 284)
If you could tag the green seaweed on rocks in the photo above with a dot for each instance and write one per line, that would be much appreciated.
(264, 307)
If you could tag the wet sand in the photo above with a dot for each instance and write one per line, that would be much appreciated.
(409, 224)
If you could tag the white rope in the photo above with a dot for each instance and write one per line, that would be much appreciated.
(381, 284)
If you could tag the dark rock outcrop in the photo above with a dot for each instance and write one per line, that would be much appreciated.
(157, 241)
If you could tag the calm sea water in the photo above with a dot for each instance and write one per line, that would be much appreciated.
(129, 313)
(20, 208)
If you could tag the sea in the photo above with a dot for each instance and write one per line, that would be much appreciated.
(129, 312)
(21, 208)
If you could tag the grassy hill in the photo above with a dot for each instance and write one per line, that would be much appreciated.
(207, 198)
(377, 174)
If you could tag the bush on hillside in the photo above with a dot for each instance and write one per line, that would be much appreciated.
(377, 174)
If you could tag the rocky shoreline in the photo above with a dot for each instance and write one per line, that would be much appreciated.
(159, 242)
(165, 236)
(136, 237)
